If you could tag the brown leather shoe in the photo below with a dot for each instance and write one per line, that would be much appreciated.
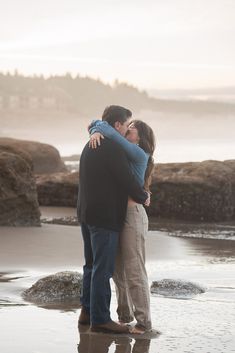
(84, 317)
(110, 327)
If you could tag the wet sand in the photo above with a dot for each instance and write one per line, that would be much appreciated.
(202, 324)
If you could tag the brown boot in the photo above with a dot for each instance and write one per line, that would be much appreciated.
(110, 327)
(84, 317)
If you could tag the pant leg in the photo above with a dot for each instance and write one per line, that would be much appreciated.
(104, 249)
(87, 268)
(132, 243)
(125, 306)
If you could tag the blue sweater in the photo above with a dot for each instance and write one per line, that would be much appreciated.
(136, 155)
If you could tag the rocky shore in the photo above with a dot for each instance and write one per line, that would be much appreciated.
(57, 189)
(196, 192)
(34, 174)
(44, 157)
(18, 194)
(20, 162)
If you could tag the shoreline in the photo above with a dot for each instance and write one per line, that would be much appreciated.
(213, 230)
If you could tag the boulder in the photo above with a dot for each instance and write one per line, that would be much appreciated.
(56, 288)
(45, 158)
(176, 288)
(194, 191)
(18, 193)
(58, 189)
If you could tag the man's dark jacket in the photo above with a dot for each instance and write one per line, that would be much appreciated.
(105, 181)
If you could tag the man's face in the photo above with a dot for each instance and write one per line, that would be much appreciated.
(122, 128)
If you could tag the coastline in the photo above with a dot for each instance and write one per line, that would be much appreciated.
(208, 230)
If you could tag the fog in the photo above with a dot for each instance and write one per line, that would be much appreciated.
(179, 137)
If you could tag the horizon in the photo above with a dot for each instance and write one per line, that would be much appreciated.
(155, 45)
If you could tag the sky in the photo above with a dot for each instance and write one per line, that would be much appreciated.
(152, 44)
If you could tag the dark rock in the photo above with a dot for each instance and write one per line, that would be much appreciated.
(59, 287)
(45, 158)
(192, 192)
(200, 191)
(176, 288)
(18, 194)
(59, 189)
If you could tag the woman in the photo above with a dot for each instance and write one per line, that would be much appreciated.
(130, 275)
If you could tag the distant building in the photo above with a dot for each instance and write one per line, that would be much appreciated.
(33, 102)
(49, 102)
(29, 102)
(14, 102)
(24, 102)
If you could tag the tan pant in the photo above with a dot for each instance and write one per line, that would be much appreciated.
(130, 274)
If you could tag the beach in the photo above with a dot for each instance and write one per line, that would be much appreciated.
(204, 323)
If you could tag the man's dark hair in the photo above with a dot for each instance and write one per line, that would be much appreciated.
(115, 113)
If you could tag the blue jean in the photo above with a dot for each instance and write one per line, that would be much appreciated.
(100, 249)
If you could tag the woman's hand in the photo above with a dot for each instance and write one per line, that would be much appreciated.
(147, 202)
(95, 139)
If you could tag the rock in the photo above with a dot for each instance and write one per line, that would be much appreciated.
(176, 288)
(68, 221)
(45, 158)
(59, 287)
(9, 148)
(58, 189)
(18, 194)
(194, 191)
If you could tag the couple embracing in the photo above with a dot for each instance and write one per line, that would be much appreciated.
(114, 178)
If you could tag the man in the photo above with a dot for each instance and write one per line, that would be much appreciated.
(105, 181)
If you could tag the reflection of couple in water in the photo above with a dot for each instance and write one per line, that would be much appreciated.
(114, 179)
(101, 343)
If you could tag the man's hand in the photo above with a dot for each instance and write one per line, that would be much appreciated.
(95, 140)
(147, 202)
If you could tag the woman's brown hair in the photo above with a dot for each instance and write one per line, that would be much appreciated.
(147, 143)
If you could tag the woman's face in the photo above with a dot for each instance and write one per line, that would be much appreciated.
(132, 134)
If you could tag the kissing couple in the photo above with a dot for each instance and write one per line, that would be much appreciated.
(114, 177)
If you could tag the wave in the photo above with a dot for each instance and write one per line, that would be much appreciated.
(218, 235)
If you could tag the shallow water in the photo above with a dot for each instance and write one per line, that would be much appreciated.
(204, 323)
(174, 150)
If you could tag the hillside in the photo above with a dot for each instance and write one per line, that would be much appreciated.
(85, 97)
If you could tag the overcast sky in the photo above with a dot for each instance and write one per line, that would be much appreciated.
(149, 43)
